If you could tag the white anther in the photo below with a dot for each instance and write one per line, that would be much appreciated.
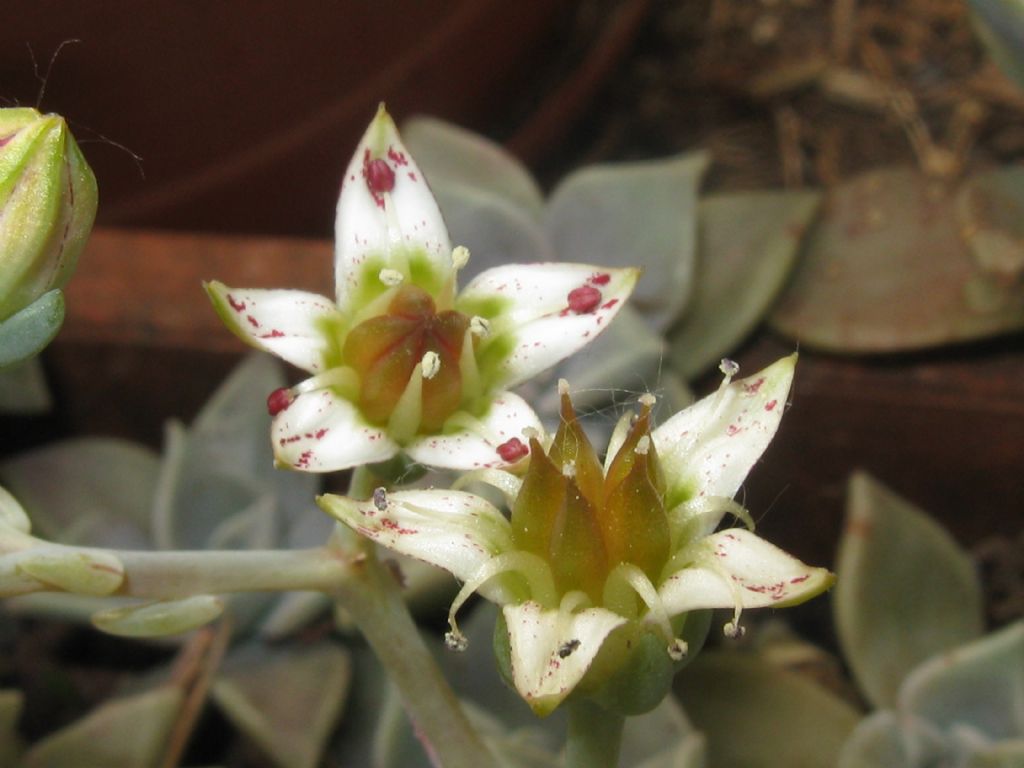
(460, 256)
(456, 641)
(569, 469)
(430, 364)
(563, 387)
(733, 630)
(391, 277)
(678, 649)
(729, 367)
(380, 499)
(648, 399)
(531, 433)
(478, 326)
(643, 445)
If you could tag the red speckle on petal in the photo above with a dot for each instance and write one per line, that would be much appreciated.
(253, 321)
(512, 450)
(800, 579)
(751, 389)
(274, 334)
(396, 157)
(236, 305)
(609, 304)
(600, 278)
(379, 176)
(584, 300)
(770, 405)
(278, 400)
(731, 430)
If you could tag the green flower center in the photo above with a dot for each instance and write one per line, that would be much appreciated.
(585, 522)
(385, 351)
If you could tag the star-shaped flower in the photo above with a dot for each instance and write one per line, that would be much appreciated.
(401, 361)
(592, 551)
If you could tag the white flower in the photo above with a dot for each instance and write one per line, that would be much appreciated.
(590, 549)
(401, 361)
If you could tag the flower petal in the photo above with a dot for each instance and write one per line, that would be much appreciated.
(647, 210)
(551, 650)
(476, 444)
(541, 313)
(708, 449)
(736, 569)
(454, 530)
(294, 325)
(386, 225)
(322, 432)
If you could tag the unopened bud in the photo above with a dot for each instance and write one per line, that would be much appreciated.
(47, 206)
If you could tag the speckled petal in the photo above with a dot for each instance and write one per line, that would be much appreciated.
(374, 227)
(454, 530)
(552, 650)
(542, 313)
(708, 449)
(322, 432)
(736, 569)
(476, 445)
(290, 324)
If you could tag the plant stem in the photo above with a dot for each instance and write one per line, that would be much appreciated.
(595, 735)
(374, 601)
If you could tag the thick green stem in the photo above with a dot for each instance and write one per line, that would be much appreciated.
(595, 735)
(374, 601)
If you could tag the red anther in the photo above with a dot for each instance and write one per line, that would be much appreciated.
(512, 450)
(278, 400)
(379, 176)
(584, 299)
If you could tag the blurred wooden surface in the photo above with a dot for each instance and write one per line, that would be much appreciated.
(141, 344)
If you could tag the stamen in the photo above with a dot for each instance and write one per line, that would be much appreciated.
(391, 277)
(460, 257)
(380, 499)
(341, 377)
(569, 469)
(408, 411)
(733, 630)
(431, 364)
(647, 399)
(533, 568)
(563, 387)
(645, 590)
(729, 367)
(505, 482)
(678, 649)
(643, 445)
(468, 369)
(479, 326)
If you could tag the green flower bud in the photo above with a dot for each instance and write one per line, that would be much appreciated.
(47, 206)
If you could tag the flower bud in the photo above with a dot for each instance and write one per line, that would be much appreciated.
(47, 206)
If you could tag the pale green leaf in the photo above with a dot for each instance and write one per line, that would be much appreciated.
(980, 685)
(747, 245)
(80, 571)
(88, 491)
(167, 617)
(286, 701)
(757, 715)
(894, 740)
(27, 332)
(126, 733)
(904, 590)
(449, 154)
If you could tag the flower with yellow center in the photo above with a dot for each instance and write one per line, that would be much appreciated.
(401, 361)
(596, 560)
